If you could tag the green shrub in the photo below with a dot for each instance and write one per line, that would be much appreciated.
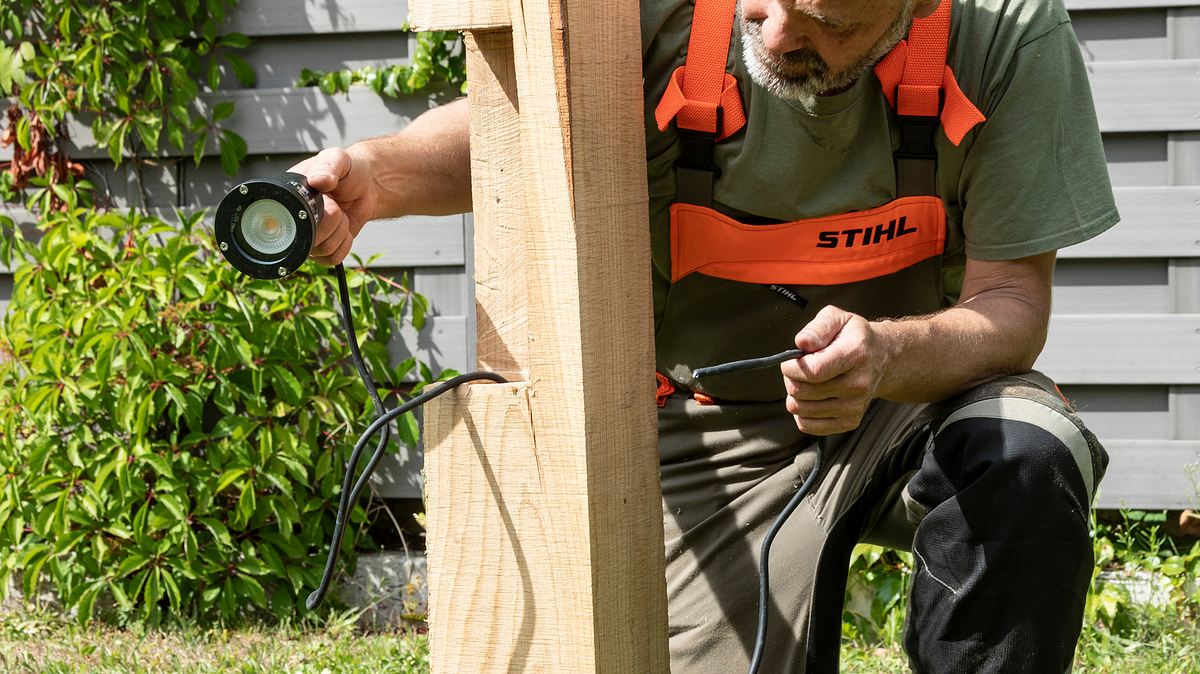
(172, 433)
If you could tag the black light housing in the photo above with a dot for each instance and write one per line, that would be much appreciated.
(264, 227)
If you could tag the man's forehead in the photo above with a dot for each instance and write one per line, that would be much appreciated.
(846, 11)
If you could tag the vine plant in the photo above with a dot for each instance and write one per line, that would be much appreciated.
(439, 60)
(169, 429)
(133, 70)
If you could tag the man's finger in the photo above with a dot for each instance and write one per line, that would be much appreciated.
(823, 329)
(330, 246)
(325, 170)
(343, 250)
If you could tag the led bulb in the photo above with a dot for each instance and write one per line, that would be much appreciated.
(268, 227)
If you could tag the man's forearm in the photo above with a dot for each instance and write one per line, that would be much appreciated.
(997, 331)
(933, 357)
(424, 169)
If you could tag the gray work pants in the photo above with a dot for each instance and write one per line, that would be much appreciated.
(991, 490)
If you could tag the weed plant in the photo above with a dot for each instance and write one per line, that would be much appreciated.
(1142, 612)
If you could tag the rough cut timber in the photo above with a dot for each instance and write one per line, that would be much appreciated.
(501, 293)
(458, 14)
(542, 496)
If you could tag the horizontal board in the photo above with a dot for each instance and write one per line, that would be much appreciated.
(1112, 286)
(1138, 159)
(287, 120)
(446, 288)
(306, 17)
(1123, 349)
(1155, 222)
(1122, 35)
(459, 15)
(1130, 96)
(441, 344)
(1151, 474)
(1147, 95)
(277, 61)
(1142, 412)
(413, 241)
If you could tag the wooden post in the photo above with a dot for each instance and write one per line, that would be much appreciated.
(542, 496)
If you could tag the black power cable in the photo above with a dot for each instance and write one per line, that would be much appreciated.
(764, 582)
(384, 416)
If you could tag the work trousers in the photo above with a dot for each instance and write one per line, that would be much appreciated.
(990, 490)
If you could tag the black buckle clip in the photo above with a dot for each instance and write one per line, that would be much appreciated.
(917, 137)
(698, 147)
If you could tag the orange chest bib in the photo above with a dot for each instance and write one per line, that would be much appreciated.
(832, 250)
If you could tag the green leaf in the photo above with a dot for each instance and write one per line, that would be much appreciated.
(235, 40)
(242, 70)
(228, 478)
(173, 506)
(222, 111)
(133, 562)
(250, 587)
(10, 68)
(218, 529)
(64, 26)
(198, 146)
(287, 386)
(246, 503)
(233, 151)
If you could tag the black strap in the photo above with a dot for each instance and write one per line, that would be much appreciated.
(695, 170)
(916, 158)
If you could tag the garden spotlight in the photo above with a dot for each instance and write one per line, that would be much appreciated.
(264, 227)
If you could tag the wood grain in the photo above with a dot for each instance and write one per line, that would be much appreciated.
(501, 295)
(571, 519)
(458, 14)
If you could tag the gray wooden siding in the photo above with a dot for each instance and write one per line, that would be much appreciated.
(1125, 338)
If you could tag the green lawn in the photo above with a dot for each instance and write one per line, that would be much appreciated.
(47, 644)
(41, 643)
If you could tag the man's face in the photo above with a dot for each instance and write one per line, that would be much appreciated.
(799, 49)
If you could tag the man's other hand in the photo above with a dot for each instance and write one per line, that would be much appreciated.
(346, 183)
(829, 389)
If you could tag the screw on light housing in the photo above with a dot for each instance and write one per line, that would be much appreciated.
(265, 227)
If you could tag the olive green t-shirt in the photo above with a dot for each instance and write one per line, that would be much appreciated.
(1030, 179)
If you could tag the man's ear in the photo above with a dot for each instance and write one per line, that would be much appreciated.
(923, 8)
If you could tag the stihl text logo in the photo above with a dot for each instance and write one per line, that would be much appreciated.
(865, 236)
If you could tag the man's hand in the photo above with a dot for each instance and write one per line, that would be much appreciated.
(346, 183)
(829, 389)
(423, 169)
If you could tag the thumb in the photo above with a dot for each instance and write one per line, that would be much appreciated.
(326, 169)
(822, 330)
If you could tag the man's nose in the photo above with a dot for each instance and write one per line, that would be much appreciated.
(782, 28)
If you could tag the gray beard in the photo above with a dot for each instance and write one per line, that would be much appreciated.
(802, 75)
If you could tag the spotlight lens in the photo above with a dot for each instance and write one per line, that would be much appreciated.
(268, 227)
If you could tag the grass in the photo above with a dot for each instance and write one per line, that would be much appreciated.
(39, 642)
(1121, 634)
(44, 643)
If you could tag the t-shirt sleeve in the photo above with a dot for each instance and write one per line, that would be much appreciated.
(1035, 178)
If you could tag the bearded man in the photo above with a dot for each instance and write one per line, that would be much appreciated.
(883, 184)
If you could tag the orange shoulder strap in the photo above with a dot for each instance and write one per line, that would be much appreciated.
(914, 76)
(701, 96)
